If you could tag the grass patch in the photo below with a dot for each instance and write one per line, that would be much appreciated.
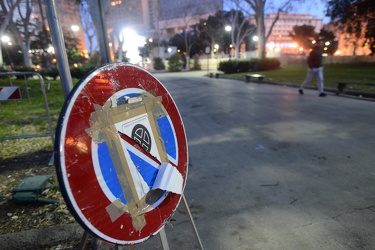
(333, 73)
(28, 115)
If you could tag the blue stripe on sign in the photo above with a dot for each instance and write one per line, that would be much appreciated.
(167, 134)
(147, 171)
(109, 171)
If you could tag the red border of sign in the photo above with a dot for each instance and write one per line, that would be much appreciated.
(74, 166)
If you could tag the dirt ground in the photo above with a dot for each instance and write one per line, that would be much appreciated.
(20, 159)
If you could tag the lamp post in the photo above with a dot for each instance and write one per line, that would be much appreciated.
(255, 41)
(216, 49)
(228, 28)
(75, 29)
(6, 40)
(207, 50)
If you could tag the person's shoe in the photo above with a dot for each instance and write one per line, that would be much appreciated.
(322, 94)
(300, 91)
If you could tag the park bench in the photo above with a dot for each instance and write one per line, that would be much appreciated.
(257, 77)
(217, 74)
(342, 85)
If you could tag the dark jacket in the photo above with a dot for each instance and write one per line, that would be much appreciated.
(315, 59)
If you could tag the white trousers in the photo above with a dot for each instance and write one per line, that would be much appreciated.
(318, 73)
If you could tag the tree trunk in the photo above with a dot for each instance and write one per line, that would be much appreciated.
(96, 17)
(261, 31)
(1, 57)
(212, 50)
(236, 50)
(26, 57)
(187, 68)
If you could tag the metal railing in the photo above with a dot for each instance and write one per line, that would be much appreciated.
(24, 114)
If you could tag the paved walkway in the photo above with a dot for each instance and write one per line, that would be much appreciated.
(272, 169)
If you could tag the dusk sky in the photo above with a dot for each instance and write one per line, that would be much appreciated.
(316, 9)
(313, 7)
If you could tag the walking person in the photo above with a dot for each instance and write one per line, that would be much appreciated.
(315, 64)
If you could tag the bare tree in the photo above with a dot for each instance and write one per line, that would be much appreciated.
(189, 16)
(210, 30)
(97, 16)
(88, 27)
(23, 28)
(258, 7)
(158, 31)
(240, 29)
(7, 9)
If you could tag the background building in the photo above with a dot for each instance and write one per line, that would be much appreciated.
(280, 40)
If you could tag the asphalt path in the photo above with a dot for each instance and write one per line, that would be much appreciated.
(272, 169)
(269, 168)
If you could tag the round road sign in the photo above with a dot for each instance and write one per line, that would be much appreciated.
(121, 154)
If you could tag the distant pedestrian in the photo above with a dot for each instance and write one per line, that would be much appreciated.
(315, 63)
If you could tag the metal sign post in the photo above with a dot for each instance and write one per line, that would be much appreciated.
(58, 44)
(207, 51)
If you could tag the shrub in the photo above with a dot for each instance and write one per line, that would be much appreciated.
(243, 66)
(77, 72)
(158, 64)
(52, 72)
(94, 59)
(80, 72)
(23, 69)
(175, 63)
(237, 66)
(228, 67)
(264, 64)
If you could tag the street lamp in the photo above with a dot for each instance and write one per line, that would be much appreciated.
(75, 28)
(216, 46)
(51, 49)
(6, 39)
(228, 28)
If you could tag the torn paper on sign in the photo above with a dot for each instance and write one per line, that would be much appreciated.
(168, 179)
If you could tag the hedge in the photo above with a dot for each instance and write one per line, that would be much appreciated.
(239, 66)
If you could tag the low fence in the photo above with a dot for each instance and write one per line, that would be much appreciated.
(24, 111)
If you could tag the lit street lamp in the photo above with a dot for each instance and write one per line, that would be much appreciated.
(75, 28)
(216, 47)
(5, 39)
